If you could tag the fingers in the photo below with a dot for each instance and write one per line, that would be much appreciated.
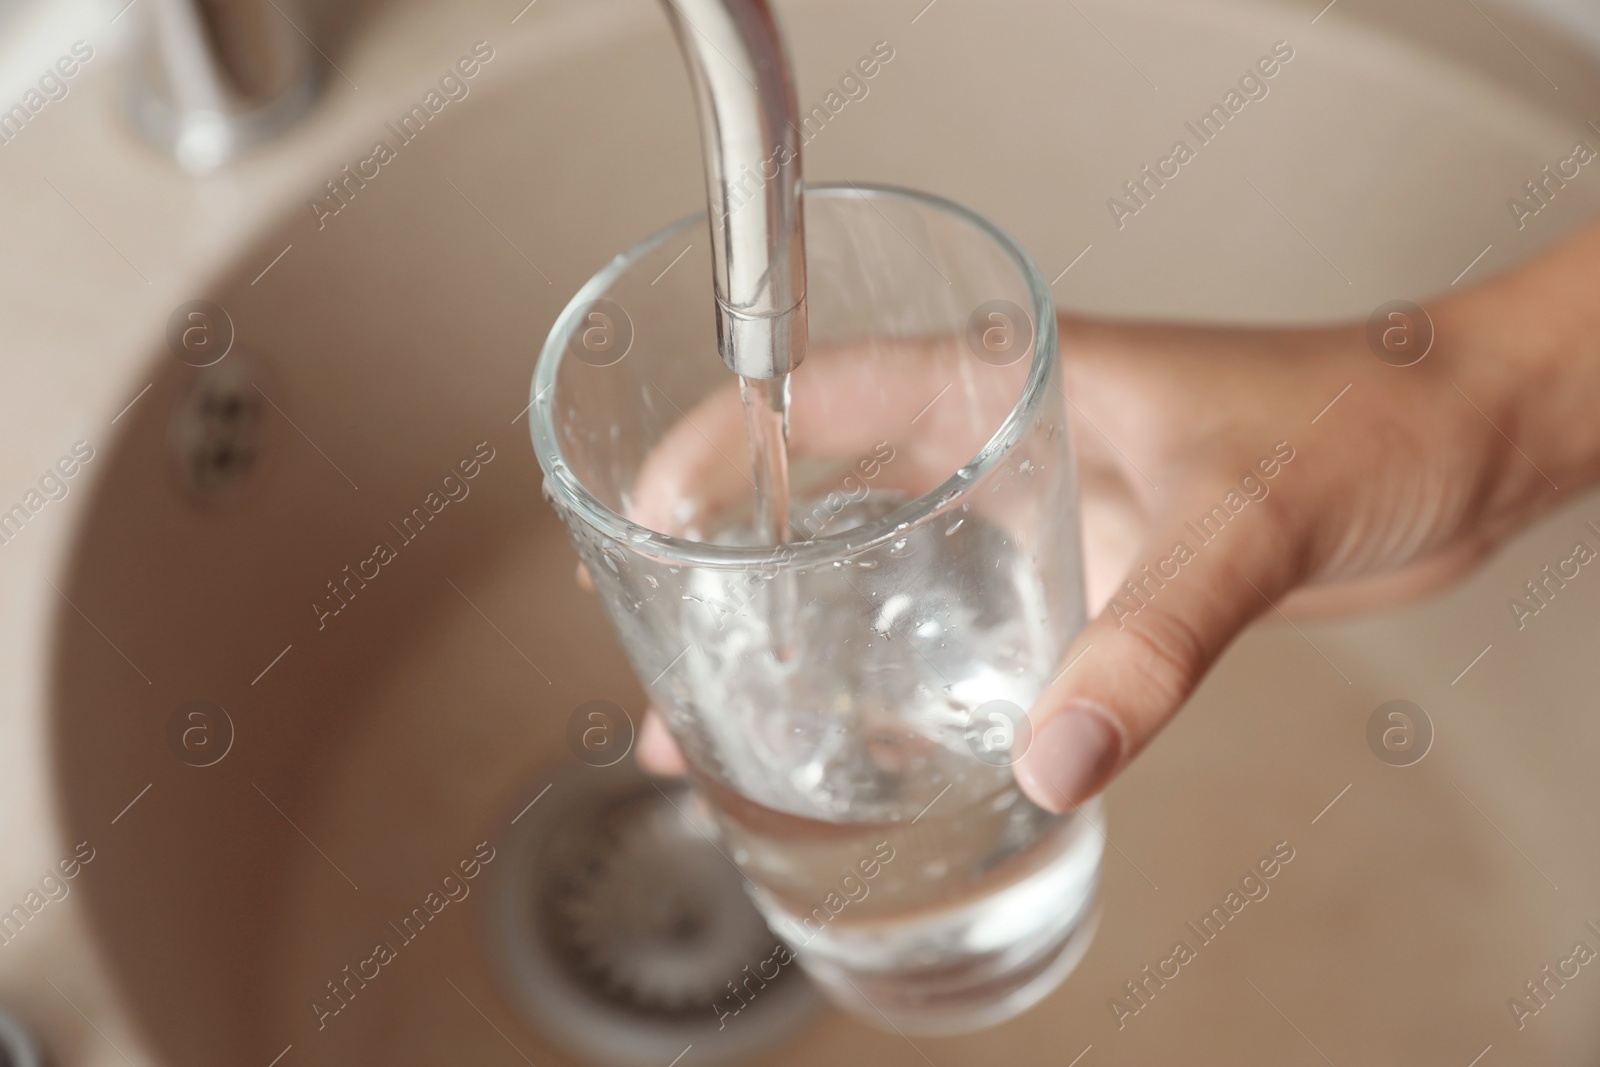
(657, 752)
(929, 400)
(699, 465)
(1197, 585)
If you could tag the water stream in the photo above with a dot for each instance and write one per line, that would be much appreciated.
(766, 422)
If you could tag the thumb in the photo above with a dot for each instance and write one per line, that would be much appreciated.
(1196, 586)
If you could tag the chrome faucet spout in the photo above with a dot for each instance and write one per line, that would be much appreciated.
(750, 137)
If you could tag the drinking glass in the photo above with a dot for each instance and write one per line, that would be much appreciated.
(849, 702)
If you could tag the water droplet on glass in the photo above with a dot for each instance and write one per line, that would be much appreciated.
(953, 527)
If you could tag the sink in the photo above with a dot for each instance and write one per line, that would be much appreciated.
(300, 736)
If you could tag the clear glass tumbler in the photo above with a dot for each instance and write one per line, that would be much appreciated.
(849, 702)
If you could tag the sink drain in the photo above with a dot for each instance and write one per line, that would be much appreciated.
(624, 930)
(215, 431)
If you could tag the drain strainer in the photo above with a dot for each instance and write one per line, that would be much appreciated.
(625, 931)
(215, 430)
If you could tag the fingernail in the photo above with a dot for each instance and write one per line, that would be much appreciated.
(1072, 756)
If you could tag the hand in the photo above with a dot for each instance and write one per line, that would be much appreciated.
(1378, 493)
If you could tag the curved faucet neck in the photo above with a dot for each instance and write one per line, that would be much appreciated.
(750, 137)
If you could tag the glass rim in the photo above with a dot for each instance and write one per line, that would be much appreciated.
(838, 546)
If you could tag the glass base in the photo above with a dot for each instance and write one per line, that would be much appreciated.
(942, 1002)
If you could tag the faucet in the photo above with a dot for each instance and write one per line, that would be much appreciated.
(215, 77)
(749, 133)
(212, 78)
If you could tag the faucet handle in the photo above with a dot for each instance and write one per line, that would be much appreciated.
(212, 78)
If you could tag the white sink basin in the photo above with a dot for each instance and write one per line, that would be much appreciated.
(376, 747)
